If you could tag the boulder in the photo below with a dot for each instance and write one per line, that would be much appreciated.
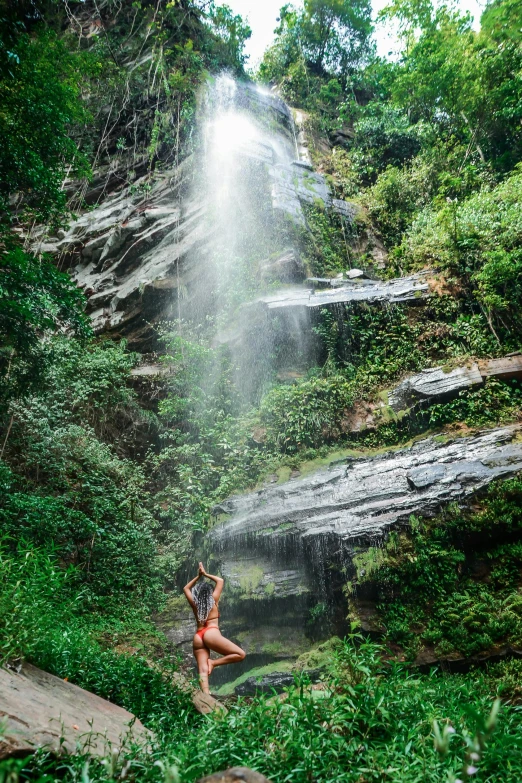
(235, 775)
(354, 274)
(440, 384)
(43, 711)
(277, 681)
(205, 704)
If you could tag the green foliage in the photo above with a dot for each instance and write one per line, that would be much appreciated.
(33, 595)
(36, 300)
(232, 34)
(130, 680)
(206, 445)
(324, 40)
(48, 621)
(463, 81)
(495, 403)
(370, 722)
(306, 414)
(326, 242)
(39, 108)
(448, 583)
(63, 486)
(479, 240)
(383, 137)
(397, 196)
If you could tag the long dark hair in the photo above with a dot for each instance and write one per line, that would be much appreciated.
(203, 595)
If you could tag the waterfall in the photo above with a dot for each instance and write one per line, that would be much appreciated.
(252, 188)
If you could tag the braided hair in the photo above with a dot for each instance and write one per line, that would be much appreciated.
(203, 595)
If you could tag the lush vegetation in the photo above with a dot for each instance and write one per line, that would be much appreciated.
(451, 584)
(101, 492)
(370, 721)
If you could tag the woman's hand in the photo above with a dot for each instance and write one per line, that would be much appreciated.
(202, 571)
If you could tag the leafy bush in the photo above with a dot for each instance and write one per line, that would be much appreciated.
(383, 137)
(40, 105)
(396, 197)
(47, 620)
(449, 583)
(33, 595)
(370, 721)
(479, 240)
(495, 403)
(145, 689)
(62, 486)
(307, 414)
(36, 300)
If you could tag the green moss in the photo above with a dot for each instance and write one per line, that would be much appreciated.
(273, 648)
(282, 667)
(250, 579)
(283, 474)
(320, 657)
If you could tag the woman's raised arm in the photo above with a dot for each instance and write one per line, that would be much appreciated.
(188, 589)
(220, 583)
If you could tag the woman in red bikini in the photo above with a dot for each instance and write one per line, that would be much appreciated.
(204, 599)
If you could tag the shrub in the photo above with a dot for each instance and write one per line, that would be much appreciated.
(307, 414)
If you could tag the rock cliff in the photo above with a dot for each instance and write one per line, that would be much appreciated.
(286, 549)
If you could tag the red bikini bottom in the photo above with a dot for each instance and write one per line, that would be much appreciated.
(202, 631)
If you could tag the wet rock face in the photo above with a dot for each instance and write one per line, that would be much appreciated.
(438, 384)
(407, 289)
(359, 500)
(141, 251)
(130, 254)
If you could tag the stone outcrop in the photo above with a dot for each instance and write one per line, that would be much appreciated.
(235, 775)
(439, 384)
(407, 289)
(43, 711)
(285, 268)
(269, 683)
(360, 499)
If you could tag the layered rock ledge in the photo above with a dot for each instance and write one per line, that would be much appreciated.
(360, 499)
(404, 289)
(440, 384)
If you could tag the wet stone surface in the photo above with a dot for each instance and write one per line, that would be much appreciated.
(439, 383)
(360, 499)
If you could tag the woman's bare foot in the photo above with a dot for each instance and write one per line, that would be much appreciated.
(210, 666)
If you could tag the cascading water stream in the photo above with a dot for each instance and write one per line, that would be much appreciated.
(253, 189)
(245, 176)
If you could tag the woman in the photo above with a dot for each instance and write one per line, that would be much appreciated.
(204, 598)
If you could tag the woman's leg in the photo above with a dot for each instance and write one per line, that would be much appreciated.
(216, 642)
(202, 656)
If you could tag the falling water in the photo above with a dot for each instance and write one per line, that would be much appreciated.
(245, 176)
(253, 185)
